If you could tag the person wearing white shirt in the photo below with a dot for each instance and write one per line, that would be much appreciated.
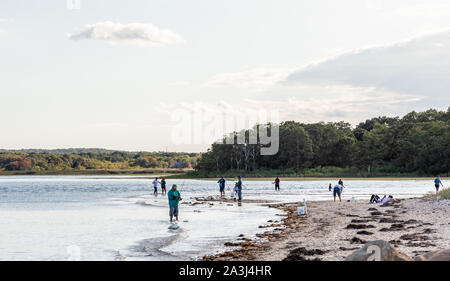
(155, 186)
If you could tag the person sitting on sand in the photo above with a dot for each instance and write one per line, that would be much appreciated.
(376, 199)
(174, 199)
(437, 184)
(386, 199)
(277, 184)
(337, 191)
(221, 183)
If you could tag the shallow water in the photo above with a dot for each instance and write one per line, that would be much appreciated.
(118, 218)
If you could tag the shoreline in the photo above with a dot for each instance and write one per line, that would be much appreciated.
(332, 179)
(332, 231)
(174, 175)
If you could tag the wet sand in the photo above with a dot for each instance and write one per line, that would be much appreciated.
(333, 230)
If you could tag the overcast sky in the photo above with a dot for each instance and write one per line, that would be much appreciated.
(111, 73)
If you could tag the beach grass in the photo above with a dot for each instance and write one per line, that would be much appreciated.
(445, 193)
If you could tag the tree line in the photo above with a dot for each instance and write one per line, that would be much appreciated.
(87, 159)
(418, 143)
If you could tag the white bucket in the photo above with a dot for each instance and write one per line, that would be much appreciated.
(301, 210)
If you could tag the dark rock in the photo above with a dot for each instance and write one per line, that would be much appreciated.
(389, 220)
(414, 237)
(396, 242)
(359, 226)
(299, 253)
(364, 232)
(429, 231)
(360, 221)
(394, 227)
(356, 240)
(420, 244)
(347, 249)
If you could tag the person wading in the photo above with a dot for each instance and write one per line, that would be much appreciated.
(174, 197)
(155, 186)
(221, 183)
(239, 188)
(163, 186)
(277, 184)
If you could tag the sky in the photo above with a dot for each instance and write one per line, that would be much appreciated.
(127, 74)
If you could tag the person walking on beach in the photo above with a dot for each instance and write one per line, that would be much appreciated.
(437, 184)
(221, 183)
(155, 186)
(239, 188)
(277, 184)
(337, 191)
(163, 186)
(174, 197)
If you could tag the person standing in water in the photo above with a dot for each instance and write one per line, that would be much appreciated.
(329, 187)
(239, 188)
(163, 186)
(437, 184)
(277, 184)
(221, 183)
(337, 191)
(155, 187)
(174, 197)
(341, 183)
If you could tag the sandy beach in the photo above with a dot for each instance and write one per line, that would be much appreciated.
(333, 230)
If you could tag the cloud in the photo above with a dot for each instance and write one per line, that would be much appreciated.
(145, 34)
(390, 79)
(258, 78)
(309, 104)
(338, 103)
(419, 66)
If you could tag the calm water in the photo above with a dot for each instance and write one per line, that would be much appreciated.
(118, 218)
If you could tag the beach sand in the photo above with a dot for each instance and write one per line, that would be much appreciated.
(333, 230)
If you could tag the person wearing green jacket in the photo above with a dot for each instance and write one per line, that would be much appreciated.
(174, 199)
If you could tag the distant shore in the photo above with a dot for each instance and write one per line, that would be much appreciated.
(333, 230)
(331, 179)
(180, 174)
(87, 172)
